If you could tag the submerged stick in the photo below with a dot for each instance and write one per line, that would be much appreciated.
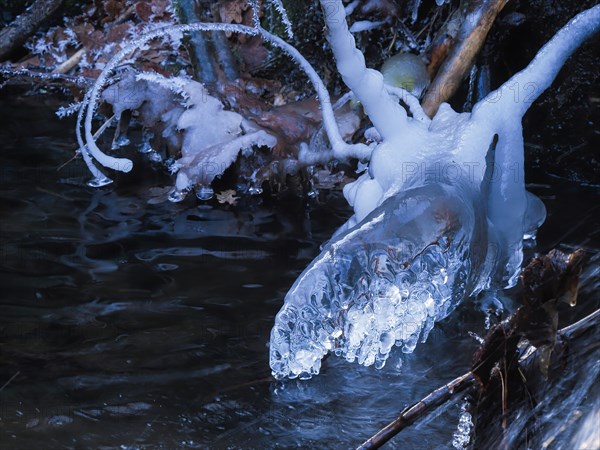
(438, 397)
(388, 117)
(418, 410)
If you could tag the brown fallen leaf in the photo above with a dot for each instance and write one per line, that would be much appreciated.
(228, 197)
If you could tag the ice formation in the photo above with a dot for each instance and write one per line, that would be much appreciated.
(205, 117)
(439, 215)
(384, 282)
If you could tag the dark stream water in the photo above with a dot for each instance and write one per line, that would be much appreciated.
(131, 325)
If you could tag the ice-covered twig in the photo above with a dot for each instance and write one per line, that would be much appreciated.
(47, 77)
(124, 164)
(367, 84)
(176, 85)
(284, 17)
(413, 102)
(99, 178)
(66, 111)
(519, 92)
(349, 9)
(340, 149)
(366, 25)
(254, 6)
(501, 113)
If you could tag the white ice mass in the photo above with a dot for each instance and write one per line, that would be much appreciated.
(439, 215)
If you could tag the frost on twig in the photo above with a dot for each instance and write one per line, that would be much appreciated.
(212, 138)
(284, 17)
(134, 99)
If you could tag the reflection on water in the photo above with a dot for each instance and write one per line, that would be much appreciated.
(133, 325)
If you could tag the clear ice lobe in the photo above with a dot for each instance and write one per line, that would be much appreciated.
(383, 282)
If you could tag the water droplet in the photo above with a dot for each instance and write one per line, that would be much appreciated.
(204, 193)
(99, 182)
(145, 147)
(121, 141)
(177, 196)
(154, 156)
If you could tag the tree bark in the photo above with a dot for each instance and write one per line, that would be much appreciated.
(478, 19)
(14, 35)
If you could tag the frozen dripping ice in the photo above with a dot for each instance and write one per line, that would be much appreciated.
(384, 282)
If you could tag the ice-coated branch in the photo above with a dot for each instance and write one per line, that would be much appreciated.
(502, 110)
(387, 115)
(124, 164)
(339, 147)
(284, 17)
(411, 101)
(519, 92)
(99, 178)
(389, 274)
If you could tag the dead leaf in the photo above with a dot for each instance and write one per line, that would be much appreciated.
(232, 11)
(254, 54)
(228, 197)
(143, 10)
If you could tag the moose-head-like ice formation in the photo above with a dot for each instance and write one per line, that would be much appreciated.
(439, 214)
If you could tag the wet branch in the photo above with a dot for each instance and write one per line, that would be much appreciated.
(418, 410)
(478, 18)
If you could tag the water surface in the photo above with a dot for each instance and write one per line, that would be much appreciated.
(133, 325)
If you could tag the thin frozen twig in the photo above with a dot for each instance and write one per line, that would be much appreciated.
(284, 17)
(418, 410)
